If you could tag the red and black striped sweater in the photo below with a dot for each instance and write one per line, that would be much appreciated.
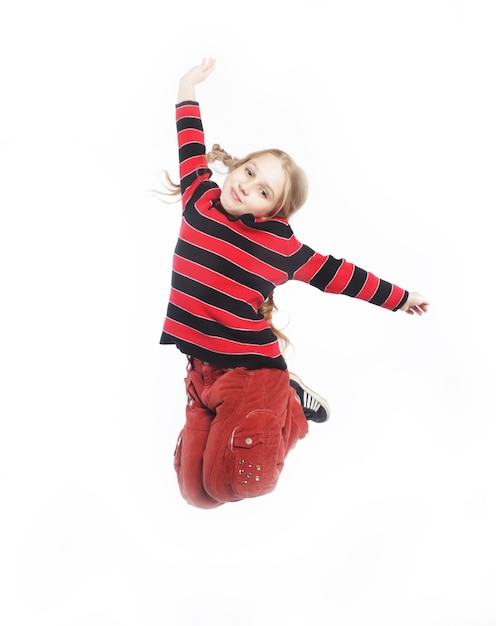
(225, 267)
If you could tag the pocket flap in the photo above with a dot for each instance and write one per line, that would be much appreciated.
(247, 441)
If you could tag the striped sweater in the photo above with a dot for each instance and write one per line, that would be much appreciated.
(225, 267)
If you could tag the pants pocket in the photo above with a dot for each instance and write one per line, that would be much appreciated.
(252, 458)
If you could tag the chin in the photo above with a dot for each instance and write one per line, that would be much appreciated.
(230, 211)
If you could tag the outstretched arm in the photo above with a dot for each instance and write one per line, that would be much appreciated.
(416, 303)
(194, 76)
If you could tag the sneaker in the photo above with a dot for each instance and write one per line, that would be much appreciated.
(314, 407)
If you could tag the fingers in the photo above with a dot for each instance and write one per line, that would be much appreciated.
(193, 76)
(416, 304)
(417, 309)
(208, 64)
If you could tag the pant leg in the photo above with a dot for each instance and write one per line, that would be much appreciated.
(257, 421)
(191, 443)
(240, 426)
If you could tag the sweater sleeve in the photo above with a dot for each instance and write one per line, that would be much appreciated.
(339, 276)
(193, 166)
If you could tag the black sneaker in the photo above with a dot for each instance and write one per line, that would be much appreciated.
(314, 407)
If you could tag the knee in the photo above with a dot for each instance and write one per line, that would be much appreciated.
(200, 499)
(189, 478)
(193, 491)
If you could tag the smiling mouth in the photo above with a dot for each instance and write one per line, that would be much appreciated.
(235, 194)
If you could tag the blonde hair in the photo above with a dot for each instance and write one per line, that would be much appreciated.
(293, 198)
(267, 310)
(295, 190)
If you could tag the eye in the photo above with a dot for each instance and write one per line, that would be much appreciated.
(264, 193)
(249, 171)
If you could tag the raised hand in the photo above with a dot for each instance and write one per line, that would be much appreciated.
(195, 75)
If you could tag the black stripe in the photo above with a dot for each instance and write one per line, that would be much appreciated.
(326, 273)
(249, 361)
(187, 123)
(214, 329)
(280, 229)
(297, 260)
(403, 300)
(283, 263)
(382, 294)
(357, 281)
(203, 187)
(190, 178)
(223, 266)
(211, 296)
(191, 150)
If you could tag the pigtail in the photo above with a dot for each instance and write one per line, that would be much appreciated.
(173, 190)
(267, 310)
(219, 154)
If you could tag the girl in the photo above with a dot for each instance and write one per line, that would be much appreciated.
(244, 410)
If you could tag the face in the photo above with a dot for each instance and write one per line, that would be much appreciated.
(255, 187)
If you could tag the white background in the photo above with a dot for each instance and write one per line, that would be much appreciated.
(386, 514)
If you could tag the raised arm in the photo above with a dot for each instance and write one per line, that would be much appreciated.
(194, 76)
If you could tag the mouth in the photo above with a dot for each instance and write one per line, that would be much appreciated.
(235, 194)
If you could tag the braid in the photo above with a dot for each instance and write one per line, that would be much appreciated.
(216, 154)
(219, 154)
(267, 309)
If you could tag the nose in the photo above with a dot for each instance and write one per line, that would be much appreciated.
(243, 188)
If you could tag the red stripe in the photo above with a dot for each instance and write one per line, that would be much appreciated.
(233, 254)
(307, 271)
(271, 241)
(189, 135)
(394, 298)
(191, 165)
(341, 278)
(369, 288)
(219, 344)
(187, 110)
(200, 309)
(217, 281)
(192, 188)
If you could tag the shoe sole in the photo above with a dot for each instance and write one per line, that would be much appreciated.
(311, 392)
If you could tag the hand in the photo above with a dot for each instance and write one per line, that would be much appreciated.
(192, 77)
(416, 303)
(200, 72)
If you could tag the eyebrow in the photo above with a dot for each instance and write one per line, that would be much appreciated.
(255, 167)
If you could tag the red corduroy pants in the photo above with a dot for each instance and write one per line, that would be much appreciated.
(240, 426)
